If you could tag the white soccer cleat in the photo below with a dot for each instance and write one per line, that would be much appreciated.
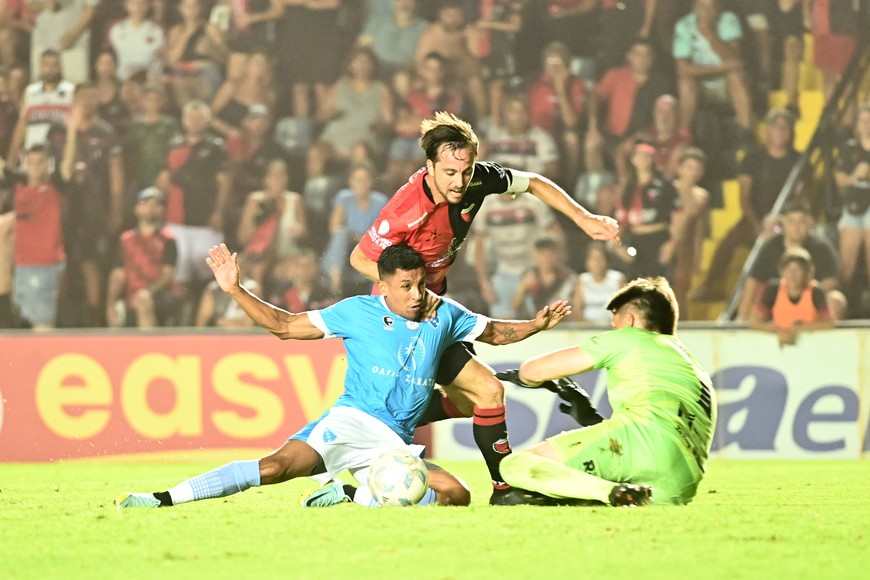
(129, 499)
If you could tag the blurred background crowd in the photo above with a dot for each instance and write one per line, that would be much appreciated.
(135, 134)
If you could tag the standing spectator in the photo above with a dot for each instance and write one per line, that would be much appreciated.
(574, 23)
(688, 225)
(796, 223)
(46, 102)
(494, 39)
(353, 211)
(547, 280)
(251, 153)
(786, 34)
(16, 24)
(762, 176)
(450, 37)
(197, 182)
(852, 174)
(111, 107)
(835, 26)
(792, 303)
(95, 201)
(141, 280)
(149, 139)
(195, 52)
(234, 99)
(313, 51)
(621, 22)
(63, 27)
(8, 113)
(393, 36)
(40, 259)
(596, 286)
(137, 40)
(503, 236)
(254, 29)
(358, 108)
(272, 224)
(644, 212)
(558, 101)
(434, 92)
(707, 45)
(627, 95)
(520, 144)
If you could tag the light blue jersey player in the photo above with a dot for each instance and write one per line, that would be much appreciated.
(392, 359)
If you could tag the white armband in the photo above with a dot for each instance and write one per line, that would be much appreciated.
(520, 182)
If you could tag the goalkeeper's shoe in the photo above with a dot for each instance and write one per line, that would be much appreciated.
(332, 493)
(129, 499)
(630, 495)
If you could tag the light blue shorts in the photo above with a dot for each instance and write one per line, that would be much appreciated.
(854, 222)
(35, 293)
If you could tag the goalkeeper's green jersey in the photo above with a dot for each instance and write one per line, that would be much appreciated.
(653, 377)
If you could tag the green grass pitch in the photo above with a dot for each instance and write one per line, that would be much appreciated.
(751, 519)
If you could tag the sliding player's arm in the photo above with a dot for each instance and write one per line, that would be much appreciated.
(498, 332)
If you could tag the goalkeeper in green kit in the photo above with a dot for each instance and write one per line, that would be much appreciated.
(653, 448)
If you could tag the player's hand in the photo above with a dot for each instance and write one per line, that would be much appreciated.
(225, 267)
(431, 302)
(601, 227)
(552, 314)
(577, 403)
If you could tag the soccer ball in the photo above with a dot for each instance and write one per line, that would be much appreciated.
(398, 478)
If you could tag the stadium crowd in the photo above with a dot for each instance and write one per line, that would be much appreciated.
(136, 134)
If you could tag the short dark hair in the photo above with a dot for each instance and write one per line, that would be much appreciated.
(37, 148)
(447, 131)
(546, 243)
(654, 298)
(399, 257)
(797, 206)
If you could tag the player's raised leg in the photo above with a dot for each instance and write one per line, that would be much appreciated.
(294, 459)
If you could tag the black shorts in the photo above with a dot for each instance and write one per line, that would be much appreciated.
(452, 361)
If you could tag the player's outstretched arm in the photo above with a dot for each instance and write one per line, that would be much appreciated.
(500, 332)
(225, 267)
(555, 365)
(597, 227)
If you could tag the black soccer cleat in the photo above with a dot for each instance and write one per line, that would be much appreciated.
(630, 495)
(517, 496)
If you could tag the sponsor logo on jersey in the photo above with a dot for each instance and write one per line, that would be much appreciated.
(388, 323)
(475, 183)
(384, 228)
(465, 214)
(377, 240)
(412, 324)
(412, 355)
(329, 436)
(435, 322)
(502, 446)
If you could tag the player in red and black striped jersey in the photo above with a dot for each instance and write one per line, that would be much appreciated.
(432, 213)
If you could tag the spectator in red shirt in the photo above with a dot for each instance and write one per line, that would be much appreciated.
(557, 103)
(141, 281)
(40, 259)
(627, 95)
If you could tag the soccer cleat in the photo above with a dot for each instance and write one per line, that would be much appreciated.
(129, 499)
(630, 495)
(517, 496)
(332, 493)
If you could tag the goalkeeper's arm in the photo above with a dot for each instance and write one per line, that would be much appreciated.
(550, 372)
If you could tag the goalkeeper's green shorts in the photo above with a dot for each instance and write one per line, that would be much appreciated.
(627, 450)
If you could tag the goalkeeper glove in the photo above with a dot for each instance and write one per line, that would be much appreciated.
(577, 403)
